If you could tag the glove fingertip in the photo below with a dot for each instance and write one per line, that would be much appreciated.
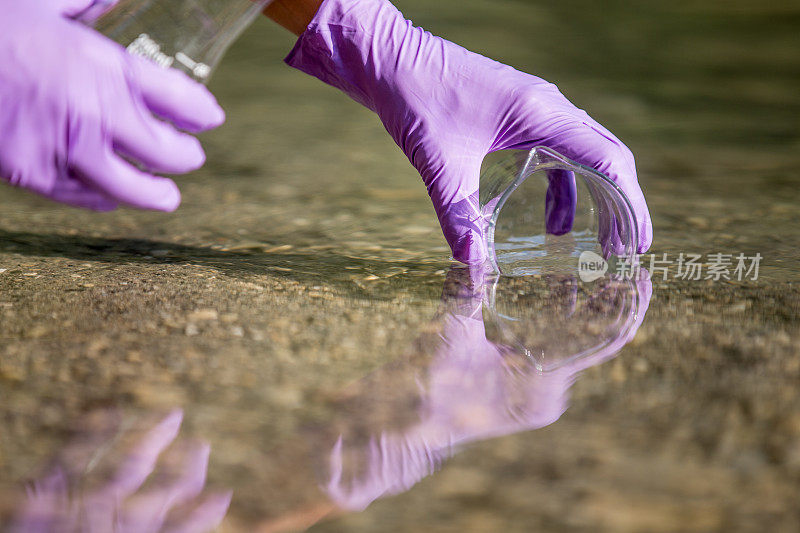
(176, 97)
(645, 237)
(469, 248)
(208, 116)
(217, 115)
(166, 197)
(171, 199)
(555, 224)
(195, 156)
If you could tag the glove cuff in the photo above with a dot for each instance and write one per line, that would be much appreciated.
(347, 43)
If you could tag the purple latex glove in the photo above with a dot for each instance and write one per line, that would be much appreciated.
(74, 105)
(87, 11)
(65, 501)
(447, 108)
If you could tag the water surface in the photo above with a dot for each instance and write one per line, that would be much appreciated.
(300, 315)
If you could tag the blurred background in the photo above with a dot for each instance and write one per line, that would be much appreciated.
(306, 256)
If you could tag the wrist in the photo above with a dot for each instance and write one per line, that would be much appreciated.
(294, 15)
(357, 46)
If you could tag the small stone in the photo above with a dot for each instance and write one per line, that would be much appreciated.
(739, 307)
(248, 246)
(463, 482)
(237, 331)
(618, 373)
(37, 332)
(698, 222)
(282, 248)
(417, 230)
(229, 318)
(191, 330)
(253, 286)
(371, 278)
(3, 270)
(203, 314)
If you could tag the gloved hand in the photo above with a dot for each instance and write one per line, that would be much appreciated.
(74, 104)
(447, 108)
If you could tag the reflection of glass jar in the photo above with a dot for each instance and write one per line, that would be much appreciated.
(542, 211)
(190, 35)
(556, 321)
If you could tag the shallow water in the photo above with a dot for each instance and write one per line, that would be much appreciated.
(301, 311)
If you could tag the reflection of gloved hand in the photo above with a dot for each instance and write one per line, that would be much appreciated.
(72, 103)
(476, 388)
(65, 501)
(447, 108)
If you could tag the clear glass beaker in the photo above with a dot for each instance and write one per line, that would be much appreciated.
(541, 211)
(190, 35)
